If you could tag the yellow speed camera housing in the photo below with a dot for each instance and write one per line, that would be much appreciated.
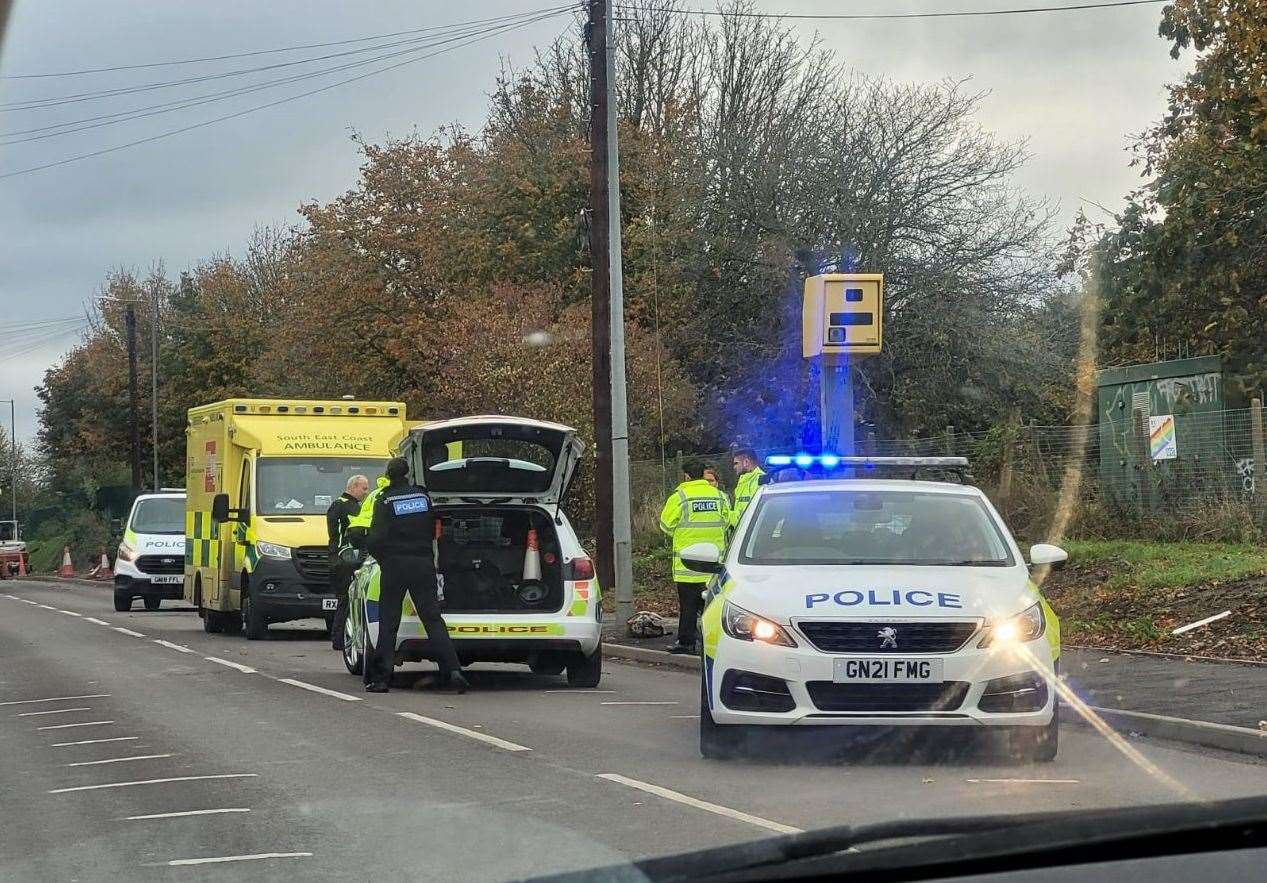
(842, 315)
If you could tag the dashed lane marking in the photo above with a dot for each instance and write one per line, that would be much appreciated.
(95, 621)
(96, 741)
(129, 632)
(236, 858)
(69, 612)
(119, 759)
(153, 782)
(45, 607)
(185, 813)
(84, 724)
(463, 731)
(687, 800)
(29, 601)
(55, 699)
(55, 711)
(170, 646)
(639, 703)
(246, 669)
(346, 697)
(578, 692)
(1023, 781)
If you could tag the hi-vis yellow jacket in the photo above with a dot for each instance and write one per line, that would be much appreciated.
(745, 490)
(359, 524)
(696, 512)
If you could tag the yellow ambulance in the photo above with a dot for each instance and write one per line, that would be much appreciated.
(260, 475)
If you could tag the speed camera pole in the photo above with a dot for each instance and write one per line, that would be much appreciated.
(611, 427)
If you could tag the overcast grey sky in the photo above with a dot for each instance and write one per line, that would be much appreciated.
(1076, 84)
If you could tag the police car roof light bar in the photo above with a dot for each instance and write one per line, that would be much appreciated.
(801, 466)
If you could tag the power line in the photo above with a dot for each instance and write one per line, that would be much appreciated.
(102, 120)
(896, 15)
(79, 97)
(490, 33)
(249, 54)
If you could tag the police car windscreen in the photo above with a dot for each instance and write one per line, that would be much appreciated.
(874, 527)
(159, 515)
(497, 465)
(307, 485)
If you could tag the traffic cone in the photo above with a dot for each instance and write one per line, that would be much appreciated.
(531, 591)
(21, 564)
(103, 569)
(67, 568)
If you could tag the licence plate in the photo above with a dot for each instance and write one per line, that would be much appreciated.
(887, 670)
(329, 603)
(166, 580)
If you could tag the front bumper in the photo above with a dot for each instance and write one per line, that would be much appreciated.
(282, 592)
(129, 579)
(765, 671)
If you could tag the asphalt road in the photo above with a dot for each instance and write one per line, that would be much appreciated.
(135, 746)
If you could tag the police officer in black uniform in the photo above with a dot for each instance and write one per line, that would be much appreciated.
(347, 505)
(401, 530)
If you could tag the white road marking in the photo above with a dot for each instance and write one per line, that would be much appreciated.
(84, 724)
(346, 697)
(579, 692)
(231, 664)
(96, 741)
(29, 601)
(45, 607)
(57, 711)
(55, 699)
(153, 782)
(700, 804)
(119, 759)
(124, 631)
(237, 858)
(188, 812)
(69, 612)
(170, 646)
(13, 597)
(1024, 781)
(463, 731)
(95, 621)
(639, 703)
(682, 717)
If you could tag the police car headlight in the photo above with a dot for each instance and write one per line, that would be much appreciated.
(126, 552)
(745, 626)
(1026, 626)
(272, 550)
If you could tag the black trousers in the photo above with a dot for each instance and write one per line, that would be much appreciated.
(417, 576)
(340, 579)
(690, 604)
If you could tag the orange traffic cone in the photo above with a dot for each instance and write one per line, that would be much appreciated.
(103, 569)
(67, 568)
(21, 564)
(531, 591)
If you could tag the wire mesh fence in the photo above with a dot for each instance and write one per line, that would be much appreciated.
(1195, 479)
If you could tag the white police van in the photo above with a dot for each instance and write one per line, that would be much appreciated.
(150, 562)
(875, 601)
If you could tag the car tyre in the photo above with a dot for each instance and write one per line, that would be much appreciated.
(253, 622)
(585, 671)
(212, 623)
(353, 652)
(152, 603)
(122, 602)
(716, 741)
(1036, 744)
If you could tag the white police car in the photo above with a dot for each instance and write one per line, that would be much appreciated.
(150, 562)
(875, 601)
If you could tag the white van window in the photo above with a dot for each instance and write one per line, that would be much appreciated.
(159, 515)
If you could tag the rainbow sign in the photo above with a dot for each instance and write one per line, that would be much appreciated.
(1161, 437)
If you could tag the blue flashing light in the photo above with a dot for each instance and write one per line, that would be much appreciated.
(804, 461)
(778, 460)
(829, 461)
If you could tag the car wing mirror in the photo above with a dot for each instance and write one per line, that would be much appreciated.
(1046, 553)
(701, 557)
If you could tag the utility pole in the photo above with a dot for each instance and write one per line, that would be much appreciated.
(154, 388)
(135, 453)
(612, 521)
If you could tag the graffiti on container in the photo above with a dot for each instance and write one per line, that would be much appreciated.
(1245, 469)
(1184, 392)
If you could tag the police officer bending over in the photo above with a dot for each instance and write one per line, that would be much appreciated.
(401, 530)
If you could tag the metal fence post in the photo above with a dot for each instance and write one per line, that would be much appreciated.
(1256, 436)
(1143, 463)
(950, 441)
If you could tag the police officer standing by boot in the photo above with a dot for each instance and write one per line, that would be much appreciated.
(400, 534)
(337, 516)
